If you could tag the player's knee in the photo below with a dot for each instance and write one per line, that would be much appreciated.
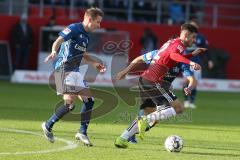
(70, 106)
(178, 106)
(179, 109)
(68, 101)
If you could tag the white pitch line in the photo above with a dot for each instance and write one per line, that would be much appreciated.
(70, 144)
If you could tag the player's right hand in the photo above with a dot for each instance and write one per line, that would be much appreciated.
(195, 66)
(120, 75)
(50, 56)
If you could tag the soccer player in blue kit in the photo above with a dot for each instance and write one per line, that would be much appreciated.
(195, 75)
(69, 81)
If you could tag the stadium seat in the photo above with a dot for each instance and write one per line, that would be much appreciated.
(233, 2)
(48, 11)
(225, 11)
(225, 8)
(78, 13)
(61, 12)
(228, 22)
(33, 10)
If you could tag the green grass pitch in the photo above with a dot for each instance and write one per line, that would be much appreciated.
(212, 131)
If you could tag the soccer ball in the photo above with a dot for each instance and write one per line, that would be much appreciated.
(174, 143)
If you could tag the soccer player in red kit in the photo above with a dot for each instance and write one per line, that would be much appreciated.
(153, 86)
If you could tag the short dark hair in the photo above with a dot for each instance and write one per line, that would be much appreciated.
(93, 12)
(189, 27)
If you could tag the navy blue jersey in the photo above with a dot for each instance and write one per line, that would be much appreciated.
(171, 74)
(75, 44)
(200, 42)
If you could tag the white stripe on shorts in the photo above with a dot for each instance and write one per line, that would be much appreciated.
(164, 93)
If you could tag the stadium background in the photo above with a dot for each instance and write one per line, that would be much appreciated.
(209, 132)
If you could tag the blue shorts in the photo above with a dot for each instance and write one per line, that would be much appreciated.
(188, 71)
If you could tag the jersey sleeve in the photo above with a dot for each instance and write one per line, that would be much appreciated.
(188, 56)
(176, 54)
(68, 32)
(148, 57)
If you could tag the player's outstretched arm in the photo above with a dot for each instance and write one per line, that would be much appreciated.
(179, 58)
(89, 60)
(199, 51)
(129, 68)
(55, 47)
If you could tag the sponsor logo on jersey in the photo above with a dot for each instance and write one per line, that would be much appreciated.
(80, 48)
(180, 48)
(66, 31)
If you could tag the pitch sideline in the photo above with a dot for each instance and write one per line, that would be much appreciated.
(70, 144)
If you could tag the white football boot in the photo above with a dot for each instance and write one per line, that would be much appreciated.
(84, 138)
(47, 133)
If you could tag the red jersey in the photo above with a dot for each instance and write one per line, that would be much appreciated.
(167, 57)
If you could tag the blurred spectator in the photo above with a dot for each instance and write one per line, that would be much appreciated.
(148, 41)
(34, 1)
(116, 9)
(176, 12)
(197, 10)
(220, 58)
(57, 2)
(144, 11)
(51, 2)
(87, 3)
(21, 39)
(52, 21)
(49, 34)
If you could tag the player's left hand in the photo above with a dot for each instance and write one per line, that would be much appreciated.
(198, 51)
(195, 66)
(187, 91)
(50, 56)
(100, 67)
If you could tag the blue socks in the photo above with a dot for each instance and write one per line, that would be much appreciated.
(191, 98)
(59, 113)
(86, 115)
(186, 98)
(193, 95)
(64, 109)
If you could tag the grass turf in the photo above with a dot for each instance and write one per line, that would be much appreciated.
(209, 132)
